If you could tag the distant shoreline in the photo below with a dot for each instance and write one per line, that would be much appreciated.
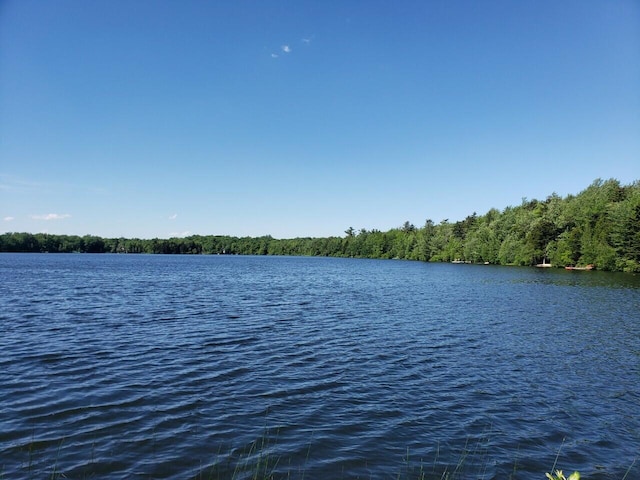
(599, 227)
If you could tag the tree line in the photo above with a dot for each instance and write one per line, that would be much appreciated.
(598, 226)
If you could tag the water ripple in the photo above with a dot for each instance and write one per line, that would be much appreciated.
(190, 367)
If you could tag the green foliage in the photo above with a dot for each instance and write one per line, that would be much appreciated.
(599, 226)
(558, 475)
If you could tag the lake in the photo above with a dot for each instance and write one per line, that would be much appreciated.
(177, 367)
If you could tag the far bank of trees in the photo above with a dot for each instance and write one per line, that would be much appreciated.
(599, 226)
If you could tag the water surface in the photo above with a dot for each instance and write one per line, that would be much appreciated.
(173, 367)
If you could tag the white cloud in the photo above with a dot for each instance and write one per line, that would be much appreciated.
(180, 234)
(286, 48)
(11, 183)
(51, 216)
(8, 219)
(306, 41)
(274, 55)
(173, 217)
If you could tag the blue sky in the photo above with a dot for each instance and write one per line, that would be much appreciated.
(297, 118)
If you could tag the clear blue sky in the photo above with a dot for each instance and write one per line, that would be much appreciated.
(296, 118)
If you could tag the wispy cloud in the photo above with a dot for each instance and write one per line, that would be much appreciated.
(14, 184)
(51, 216)
(11, 183)
(180, 234)
(286, 48)
(173, 217)
(8, 219)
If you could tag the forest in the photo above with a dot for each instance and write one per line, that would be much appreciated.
(599, 226)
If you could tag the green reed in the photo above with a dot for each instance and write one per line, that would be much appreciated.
(257, 461)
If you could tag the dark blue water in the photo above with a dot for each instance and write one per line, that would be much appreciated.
(123, 366)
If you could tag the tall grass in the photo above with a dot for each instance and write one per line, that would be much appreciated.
(258, 461)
